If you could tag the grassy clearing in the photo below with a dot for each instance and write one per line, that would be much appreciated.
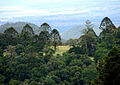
(61, 49)
(92, 58)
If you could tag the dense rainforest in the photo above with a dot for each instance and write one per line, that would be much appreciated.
(27, 58)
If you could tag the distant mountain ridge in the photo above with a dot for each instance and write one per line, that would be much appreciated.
(73, 32)
(18, 26)
(76, 31)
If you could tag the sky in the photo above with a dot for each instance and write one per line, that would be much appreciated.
(59, 14)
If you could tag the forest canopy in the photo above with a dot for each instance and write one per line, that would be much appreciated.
(27, 58)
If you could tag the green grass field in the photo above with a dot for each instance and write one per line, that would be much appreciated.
(61, 49)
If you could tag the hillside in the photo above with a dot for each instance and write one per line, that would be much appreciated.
(18, 26)
(75, 32)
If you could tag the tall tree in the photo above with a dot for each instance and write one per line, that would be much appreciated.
(10, 36)
(26, 36)
(88, 44)
(88, 41)
(106, 24)
(44, 38)
(117, 36)
(27, 29)
(45, 27)
(107, 27)
(55, 38)
(89, 26)
(11, 32)
(108, 32)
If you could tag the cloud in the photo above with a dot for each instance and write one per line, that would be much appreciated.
(20, 12)
(115, 0)
(16, 11)
(46, 1)
(60, 10)
(3, 20)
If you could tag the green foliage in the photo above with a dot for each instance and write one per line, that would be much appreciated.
(107, 25)
(11, 32)
(108, 68)
(108, 32)
(27, 30)
(100, 51)
(88, 41)
(19, 48)
(28, 59)
(89, 74)
(88, 44)
(33, 83)
(76, 50)
(44, 36)
(72, 42)
(2, 79)
(14, 82)
(49, 81)
(3, 41)
(45, 27)
(75, 72)
(55, 38)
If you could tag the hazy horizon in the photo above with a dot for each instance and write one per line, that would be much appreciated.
(60, 14)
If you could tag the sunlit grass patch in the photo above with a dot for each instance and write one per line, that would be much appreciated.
(61, 49)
